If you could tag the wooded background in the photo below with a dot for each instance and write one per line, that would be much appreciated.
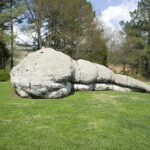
(72, 27)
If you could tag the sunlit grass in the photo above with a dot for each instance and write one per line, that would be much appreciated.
(83, 121)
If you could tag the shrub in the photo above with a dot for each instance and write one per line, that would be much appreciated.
(4, 75)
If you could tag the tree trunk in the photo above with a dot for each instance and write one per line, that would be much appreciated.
(146, 70)
(39, 22)
(148, 36)
(39, 38)
(138, 63)
(124, 68)
(2, 48)
(12, 39)
(2, 65)
(12, 48)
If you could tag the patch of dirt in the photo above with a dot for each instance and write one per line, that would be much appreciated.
(14, 95)
(119, 68)
(20, 54)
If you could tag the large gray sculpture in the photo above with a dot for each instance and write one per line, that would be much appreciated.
(51, 74)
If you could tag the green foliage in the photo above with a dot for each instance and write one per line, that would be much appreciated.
(138, 38)
(69, 26)
(9, 12)
(95, 49)
(133, 75)
(3, 38)
(83, 121)
(4, 55)
(4, 75)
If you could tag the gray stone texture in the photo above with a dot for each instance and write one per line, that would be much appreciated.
(51, 74)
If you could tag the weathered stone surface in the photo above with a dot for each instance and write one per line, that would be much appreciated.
(83, 87)
(85, 72)
(51, 74)
(46, 73)
(106, 86)
(104, 74)
(127, 81)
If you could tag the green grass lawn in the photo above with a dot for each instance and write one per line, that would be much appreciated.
(83, 121)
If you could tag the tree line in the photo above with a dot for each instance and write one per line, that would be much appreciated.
(67, 26)
(10, 13)
(135, 48)
(72, 27)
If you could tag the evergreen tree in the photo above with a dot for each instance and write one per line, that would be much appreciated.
(138, 37)
(15, 9)
(10, 13)
(3, 50)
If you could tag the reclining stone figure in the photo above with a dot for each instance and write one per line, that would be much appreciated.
(51, 74)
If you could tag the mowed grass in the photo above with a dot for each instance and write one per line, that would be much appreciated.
(83, 121)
